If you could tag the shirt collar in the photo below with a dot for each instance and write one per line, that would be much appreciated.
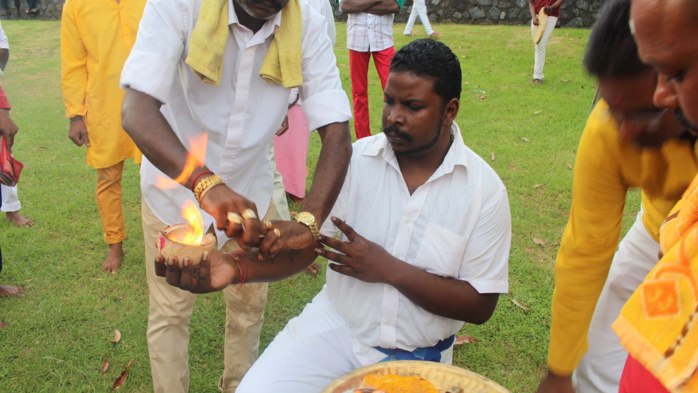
(456, 155)
(273, 23)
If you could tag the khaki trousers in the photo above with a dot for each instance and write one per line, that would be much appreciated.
(108, 195)
(170, 312)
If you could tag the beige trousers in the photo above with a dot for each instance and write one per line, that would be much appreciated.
(170, 312)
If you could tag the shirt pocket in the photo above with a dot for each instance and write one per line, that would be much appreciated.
(441, 251)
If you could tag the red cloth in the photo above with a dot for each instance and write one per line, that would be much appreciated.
(4, 103)
(544, 3)
(358, 70)
(637, 379)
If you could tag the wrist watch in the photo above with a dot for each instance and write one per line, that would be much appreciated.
(308, 220)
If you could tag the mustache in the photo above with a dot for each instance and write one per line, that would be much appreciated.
(273, 3)
(395, 132)
(678, 114)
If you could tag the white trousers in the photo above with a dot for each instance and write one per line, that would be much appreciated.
(10, 202)
(540, 47)
(600, 369)
(419, 8)
(313, 350)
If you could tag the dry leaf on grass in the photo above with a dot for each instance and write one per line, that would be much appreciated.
(493, 157)
(520, 305)
(2, 325)
(538, 241)
(516, 144)
(117, 336)
(525, 139)
(119, 382)
(537, 112)
(482, 97)
(537, 185)
(105, 366)
(465, 339)
(569, 166)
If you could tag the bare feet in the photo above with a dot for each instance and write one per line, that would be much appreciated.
(313, 269)
(19, 220)
(435, 35)
(114, 257)
(6, 290)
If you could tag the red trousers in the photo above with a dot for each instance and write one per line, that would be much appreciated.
(358, 70)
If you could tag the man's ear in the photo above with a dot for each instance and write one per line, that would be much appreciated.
(451, 111)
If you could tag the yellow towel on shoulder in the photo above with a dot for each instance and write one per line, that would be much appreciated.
(282, 64)
(658, 323)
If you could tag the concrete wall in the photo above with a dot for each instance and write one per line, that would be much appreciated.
(574, 13)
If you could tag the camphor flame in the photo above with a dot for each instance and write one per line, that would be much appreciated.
(193, 216)
(197, 155)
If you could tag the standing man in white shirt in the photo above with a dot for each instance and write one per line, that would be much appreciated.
(167, 107)
(369, 34)
(423, 242)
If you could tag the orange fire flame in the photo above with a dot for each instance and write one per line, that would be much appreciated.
(197, 155)
(193, 216)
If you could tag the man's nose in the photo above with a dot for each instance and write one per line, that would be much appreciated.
(665, 94)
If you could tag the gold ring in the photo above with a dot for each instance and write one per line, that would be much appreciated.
(267, 224)
(248, 214)
(234, 218)
(277, 232)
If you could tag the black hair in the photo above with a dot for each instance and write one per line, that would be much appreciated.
(611, 51)
(431, 59)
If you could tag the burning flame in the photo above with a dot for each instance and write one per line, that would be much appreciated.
(197, 155)
(195, 233)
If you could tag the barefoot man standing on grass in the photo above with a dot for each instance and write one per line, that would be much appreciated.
(96, 38)
(9, 203)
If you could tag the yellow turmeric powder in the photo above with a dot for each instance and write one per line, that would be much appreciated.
(393, 383)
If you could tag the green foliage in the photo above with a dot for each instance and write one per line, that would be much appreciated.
(58, 335)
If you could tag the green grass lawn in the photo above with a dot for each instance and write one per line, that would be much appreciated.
(57, 336)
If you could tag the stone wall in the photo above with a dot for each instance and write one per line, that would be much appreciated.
(48, 9)
(574, 13)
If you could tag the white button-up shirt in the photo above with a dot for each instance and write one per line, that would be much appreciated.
(241, 116)
(455, 225)
(369, 33)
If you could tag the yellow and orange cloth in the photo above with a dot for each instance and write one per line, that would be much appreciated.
(658, 323)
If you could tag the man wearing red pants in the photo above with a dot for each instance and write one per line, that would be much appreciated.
(369, 33)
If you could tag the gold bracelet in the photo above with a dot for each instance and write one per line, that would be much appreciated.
(204, 184)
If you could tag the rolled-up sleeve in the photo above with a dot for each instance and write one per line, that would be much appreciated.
(159, 47)
(324, 100)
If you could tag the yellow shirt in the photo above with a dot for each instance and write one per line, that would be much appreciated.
(96, 38)
(605, 168)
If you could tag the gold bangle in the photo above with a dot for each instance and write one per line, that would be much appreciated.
(205, 184)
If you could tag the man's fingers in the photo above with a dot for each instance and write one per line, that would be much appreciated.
(159, 265)
(341, 269)
(332, 242)
(345, 228)
(332, 256)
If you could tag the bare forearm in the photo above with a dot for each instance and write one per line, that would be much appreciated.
(354, 6)
(330, 171)
(447, 297)
(283, 265)
(532, 8)
(384, 8)
(152, 134)
(4, 58)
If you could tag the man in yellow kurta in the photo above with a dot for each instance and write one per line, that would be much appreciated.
(627, 142)
(96, 38)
